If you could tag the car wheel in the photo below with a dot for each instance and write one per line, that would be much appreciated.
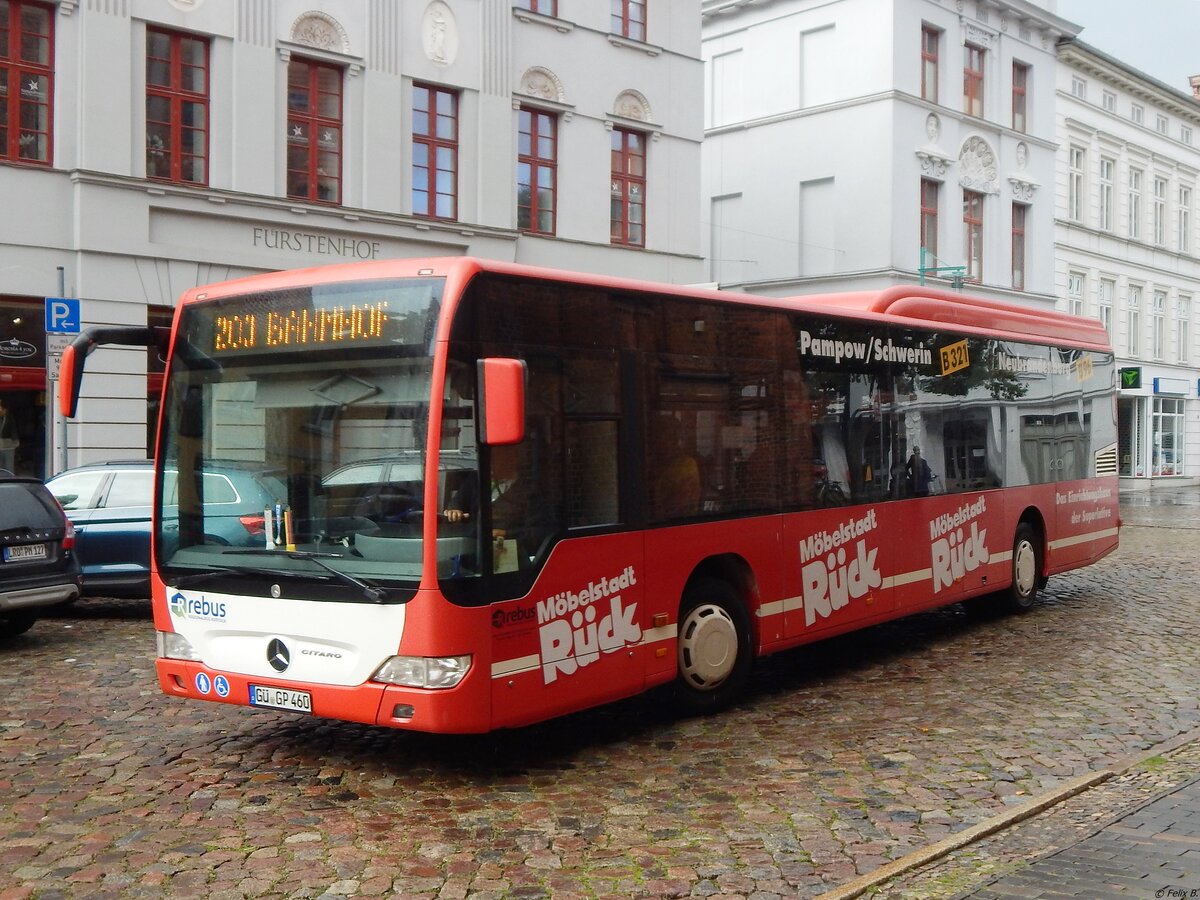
(16, 623)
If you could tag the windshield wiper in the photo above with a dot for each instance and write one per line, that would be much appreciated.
(196, 578)
(370, 591)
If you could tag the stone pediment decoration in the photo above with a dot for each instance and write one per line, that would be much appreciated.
(934, 160)
(1021, 189)
(633, 105)
(322, 31)
(543, 84)
(980, 37)
(977, 167)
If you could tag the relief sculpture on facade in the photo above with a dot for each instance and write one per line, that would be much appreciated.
(543, 84)
(632, 105)
(317, 29)
(439, 34)
(977, 166)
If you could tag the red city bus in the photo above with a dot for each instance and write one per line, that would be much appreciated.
(508, 493)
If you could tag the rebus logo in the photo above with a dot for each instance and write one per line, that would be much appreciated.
(198, 608)
(503, 617)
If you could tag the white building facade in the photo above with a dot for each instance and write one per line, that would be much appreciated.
(147, 146)
(844, 137)
(1128, 251)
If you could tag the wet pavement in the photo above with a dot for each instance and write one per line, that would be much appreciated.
(845, 757)
(1132, 836)
(1136, 833)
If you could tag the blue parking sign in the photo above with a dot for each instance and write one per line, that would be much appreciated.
(62, 315)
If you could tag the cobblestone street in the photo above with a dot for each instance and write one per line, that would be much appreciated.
(843, 757)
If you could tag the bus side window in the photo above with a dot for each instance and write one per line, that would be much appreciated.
(592, 489)
(591, 424)
(673, 469)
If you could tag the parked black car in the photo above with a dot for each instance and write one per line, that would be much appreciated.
(38, 565)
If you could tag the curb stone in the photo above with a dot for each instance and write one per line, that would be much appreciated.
(1069, 789)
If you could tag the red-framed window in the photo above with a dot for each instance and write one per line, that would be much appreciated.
(629, 19)
(177, 92)
(26, 81)
(537, 171)
(314, 131)
(545, 7)
(930, 192)
(435, 152)
(930, 198)
(973, 225)
(973, 80)
(1020, 97)
(1019, 212)
(930, 43)
(628, 210)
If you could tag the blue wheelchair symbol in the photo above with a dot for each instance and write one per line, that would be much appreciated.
(222, 686)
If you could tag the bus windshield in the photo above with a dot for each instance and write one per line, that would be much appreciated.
(294, 436)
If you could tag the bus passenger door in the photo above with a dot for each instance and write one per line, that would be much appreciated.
(577, 636)
(578, 639)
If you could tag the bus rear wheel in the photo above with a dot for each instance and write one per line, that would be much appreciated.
(713, 647)
(1026, 578)
(1022, 593)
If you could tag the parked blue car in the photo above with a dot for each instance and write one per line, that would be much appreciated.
(110, 505)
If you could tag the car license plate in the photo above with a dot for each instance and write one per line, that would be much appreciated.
(25, 551)
(281, 698)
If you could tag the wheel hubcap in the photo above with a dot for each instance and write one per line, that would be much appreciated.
(708, 647)
(1024, 568)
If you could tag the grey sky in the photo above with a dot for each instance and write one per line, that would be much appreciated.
(1159, 37)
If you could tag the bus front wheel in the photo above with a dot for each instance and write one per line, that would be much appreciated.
(713, 647)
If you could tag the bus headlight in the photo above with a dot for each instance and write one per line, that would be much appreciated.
(175, 646)
(423, 671)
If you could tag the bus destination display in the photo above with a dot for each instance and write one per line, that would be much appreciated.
(299, 327)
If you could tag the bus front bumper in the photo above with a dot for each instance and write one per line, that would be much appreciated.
(459, 710)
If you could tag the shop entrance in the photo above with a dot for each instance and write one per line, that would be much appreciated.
(27, 410)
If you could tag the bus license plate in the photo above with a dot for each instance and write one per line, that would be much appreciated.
(281, 698)
(25, 551)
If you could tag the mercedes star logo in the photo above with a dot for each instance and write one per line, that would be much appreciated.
(278, 655)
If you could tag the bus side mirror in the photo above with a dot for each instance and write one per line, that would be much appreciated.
(70, 371)
(502, 401)
(70, 378)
